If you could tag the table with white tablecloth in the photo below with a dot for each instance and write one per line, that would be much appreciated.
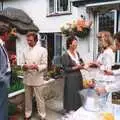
(82, 114)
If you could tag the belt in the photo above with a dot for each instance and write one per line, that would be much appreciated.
(100, 81)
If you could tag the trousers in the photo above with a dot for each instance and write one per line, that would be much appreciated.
(3, 101)
(38, 93)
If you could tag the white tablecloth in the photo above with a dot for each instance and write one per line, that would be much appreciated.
(82, 114)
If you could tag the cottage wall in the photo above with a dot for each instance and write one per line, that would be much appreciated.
(21, 45)
(37, 10)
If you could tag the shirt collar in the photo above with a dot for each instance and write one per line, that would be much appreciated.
(30, 48)
(1, 42)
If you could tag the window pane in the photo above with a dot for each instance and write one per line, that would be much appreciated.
(106, 22)
(51, 6)
(57, 49)
(58, 45)
(62, 5)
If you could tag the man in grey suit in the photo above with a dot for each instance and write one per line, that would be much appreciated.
(5, 74)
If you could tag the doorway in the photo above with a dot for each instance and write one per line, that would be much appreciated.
(53, 43)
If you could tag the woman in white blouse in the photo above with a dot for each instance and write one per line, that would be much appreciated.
(106, 59)
(116, 85)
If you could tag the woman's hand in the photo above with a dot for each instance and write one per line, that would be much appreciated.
(108, 72)
(80, 66)
(94, 64)
(100, 90)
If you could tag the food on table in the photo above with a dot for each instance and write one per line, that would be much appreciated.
(88, 83)
(108, 116)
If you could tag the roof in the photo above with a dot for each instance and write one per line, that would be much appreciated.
(19, 19)
(104, 5)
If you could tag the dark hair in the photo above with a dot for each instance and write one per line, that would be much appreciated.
(117, 36)
(70, 40)
(3, 29)
(29, 34)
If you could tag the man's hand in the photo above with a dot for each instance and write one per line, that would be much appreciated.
(25, 67)
(30, 67)
(94, 64)
(108, 72)
(100, 90)
(34, 67)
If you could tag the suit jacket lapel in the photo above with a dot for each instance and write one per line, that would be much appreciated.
(4, 50)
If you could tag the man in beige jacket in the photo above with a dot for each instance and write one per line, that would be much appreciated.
(34, 66)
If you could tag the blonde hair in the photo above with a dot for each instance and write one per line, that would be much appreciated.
(106, 39)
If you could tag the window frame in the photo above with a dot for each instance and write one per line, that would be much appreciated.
(56, 8)
(49, 8)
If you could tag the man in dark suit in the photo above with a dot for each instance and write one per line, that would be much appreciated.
(5, 74)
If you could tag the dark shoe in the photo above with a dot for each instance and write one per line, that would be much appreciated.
(63, 112)
(29, 118)
(42, 118)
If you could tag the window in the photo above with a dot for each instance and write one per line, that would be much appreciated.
(43, 39)
(57, 48)
(58, 44)
(62, 5)
(106, 22)
(51, 6)
(58, 6)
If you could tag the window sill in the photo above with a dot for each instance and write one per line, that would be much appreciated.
(58, 14)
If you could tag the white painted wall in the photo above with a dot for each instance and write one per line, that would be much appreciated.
(37, 10)
(83, 48)
(21, 45)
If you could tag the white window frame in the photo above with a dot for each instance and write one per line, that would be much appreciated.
(118, 53)
(55, 8)
(48, 1)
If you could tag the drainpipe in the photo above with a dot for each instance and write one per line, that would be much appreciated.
(2, 1)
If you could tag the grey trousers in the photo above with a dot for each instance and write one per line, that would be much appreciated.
(3, 101)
